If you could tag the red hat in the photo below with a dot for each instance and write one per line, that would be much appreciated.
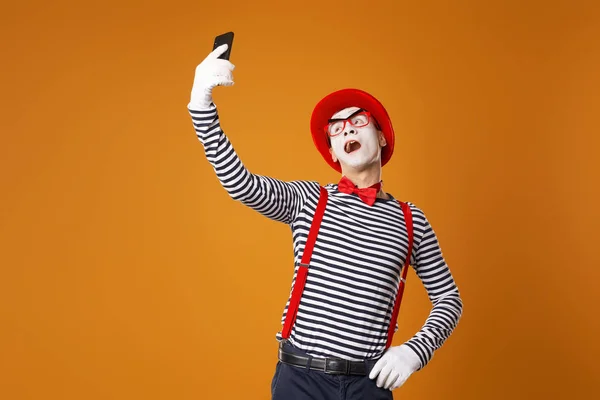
(339, 100)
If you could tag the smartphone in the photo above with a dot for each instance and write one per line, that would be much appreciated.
(226, 38)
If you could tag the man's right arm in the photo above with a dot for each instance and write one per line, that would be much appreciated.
(276, 199)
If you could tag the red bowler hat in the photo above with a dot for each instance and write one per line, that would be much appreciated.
(345, 98)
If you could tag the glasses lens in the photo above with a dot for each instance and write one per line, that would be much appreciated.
(360, 120)
(336, 127)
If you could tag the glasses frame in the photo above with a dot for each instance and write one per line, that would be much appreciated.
(346, 120)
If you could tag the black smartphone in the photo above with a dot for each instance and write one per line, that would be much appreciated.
(226, 38)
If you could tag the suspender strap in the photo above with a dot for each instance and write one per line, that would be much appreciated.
(409, 228)
(302, 273)
(290, 316)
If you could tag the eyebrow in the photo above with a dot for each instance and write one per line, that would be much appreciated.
(349, 116)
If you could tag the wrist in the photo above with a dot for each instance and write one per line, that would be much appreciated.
(201, 99)
(412, 358)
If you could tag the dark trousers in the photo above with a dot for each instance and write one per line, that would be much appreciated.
(299, 383)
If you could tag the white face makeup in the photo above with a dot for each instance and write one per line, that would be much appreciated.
(354, 146)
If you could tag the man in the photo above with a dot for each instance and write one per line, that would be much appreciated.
(351, 246)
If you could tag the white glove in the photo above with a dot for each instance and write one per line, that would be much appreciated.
(211, 72)
(394, 368)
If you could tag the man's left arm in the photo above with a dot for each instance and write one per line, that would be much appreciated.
(399, 362)
(431, 268)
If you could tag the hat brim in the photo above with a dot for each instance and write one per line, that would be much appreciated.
(345, 98)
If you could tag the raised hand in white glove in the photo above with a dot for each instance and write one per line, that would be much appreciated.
(211, 72)
(394, 368)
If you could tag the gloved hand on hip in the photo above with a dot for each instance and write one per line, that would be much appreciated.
(394, 368)
(211, 72)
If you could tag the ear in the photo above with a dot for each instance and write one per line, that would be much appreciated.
(333, 157)
(382, 141)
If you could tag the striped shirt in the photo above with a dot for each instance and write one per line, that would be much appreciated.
(354, 272)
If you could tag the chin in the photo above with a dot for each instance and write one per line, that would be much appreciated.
(359, 165)
(363, 159)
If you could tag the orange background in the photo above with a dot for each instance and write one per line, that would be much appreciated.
(128, 273)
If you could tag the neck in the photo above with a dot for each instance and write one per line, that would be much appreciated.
(365, 178)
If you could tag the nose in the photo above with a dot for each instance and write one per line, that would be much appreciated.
(349, 131)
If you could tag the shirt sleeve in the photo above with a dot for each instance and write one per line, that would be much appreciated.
(431, 268)
(276, 199)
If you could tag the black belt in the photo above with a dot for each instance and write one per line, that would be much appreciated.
(334, 366)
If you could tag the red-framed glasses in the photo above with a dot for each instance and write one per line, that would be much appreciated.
(336, 126)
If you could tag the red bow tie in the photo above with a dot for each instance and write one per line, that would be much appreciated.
(368, 195)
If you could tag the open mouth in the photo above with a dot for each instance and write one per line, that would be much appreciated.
(351, 146)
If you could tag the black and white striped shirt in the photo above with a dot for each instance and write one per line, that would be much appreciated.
(354, 272)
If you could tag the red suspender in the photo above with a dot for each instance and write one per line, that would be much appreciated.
(290, 316)
(409, 229)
